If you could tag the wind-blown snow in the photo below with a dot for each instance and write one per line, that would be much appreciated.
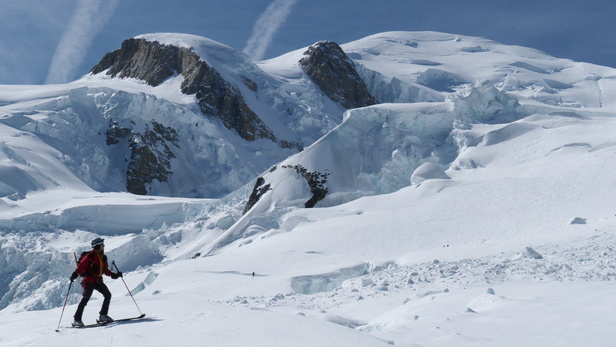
(480, 214)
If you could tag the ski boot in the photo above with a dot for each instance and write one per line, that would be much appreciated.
(104, 319)
(77, 323)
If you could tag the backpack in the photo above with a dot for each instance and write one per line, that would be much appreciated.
(81, 257)
(83, 254)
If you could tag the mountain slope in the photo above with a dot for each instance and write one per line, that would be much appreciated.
(204, 123)
(443, 61)
(457, 206)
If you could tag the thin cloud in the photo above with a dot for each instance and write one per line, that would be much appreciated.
(89, 18)
(267, 25)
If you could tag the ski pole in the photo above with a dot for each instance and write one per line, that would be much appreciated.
(131, 294)
(64, 306)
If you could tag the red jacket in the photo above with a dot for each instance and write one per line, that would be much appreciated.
(92, 266)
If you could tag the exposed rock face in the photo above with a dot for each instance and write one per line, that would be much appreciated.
(316, 181)
(330, 68)
(259, 189)
(218, 98)
(153, 63)
(150, 154)
(116, 133)
(140, 59)
(151, 157)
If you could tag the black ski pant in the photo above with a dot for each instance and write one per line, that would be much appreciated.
(87, 293)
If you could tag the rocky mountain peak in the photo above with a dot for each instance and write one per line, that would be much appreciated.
(153, 62)
(334, 72)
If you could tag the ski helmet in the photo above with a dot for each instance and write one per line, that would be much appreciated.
(97, 242)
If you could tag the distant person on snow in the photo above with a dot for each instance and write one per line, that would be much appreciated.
(92, 266)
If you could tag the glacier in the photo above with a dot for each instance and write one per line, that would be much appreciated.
(477, 153)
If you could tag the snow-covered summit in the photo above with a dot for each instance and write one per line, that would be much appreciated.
(196, 42)
(214, 53)
(445, 61)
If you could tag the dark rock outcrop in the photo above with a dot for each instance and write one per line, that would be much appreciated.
(150, 154)
(334, 72)
(116, 133)
(316, 181)
(259, 189)
(153, 63)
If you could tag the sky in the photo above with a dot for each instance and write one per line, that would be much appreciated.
(57, 41)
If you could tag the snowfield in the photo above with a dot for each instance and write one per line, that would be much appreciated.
(474, 208)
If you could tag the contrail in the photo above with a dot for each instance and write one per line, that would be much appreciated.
(89, 18)
(268, 23)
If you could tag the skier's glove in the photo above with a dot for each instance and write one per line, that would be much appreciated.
(74, 276)
(116, 275)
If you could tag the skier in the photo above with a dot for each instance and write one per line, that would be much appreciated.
(92, 266)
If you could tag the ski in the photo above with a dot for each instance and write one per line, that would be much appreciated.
(100, 324)
(126, 319)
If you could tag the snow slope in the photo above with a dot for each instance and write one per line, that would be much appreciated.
(443, 61)
(482, 217)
